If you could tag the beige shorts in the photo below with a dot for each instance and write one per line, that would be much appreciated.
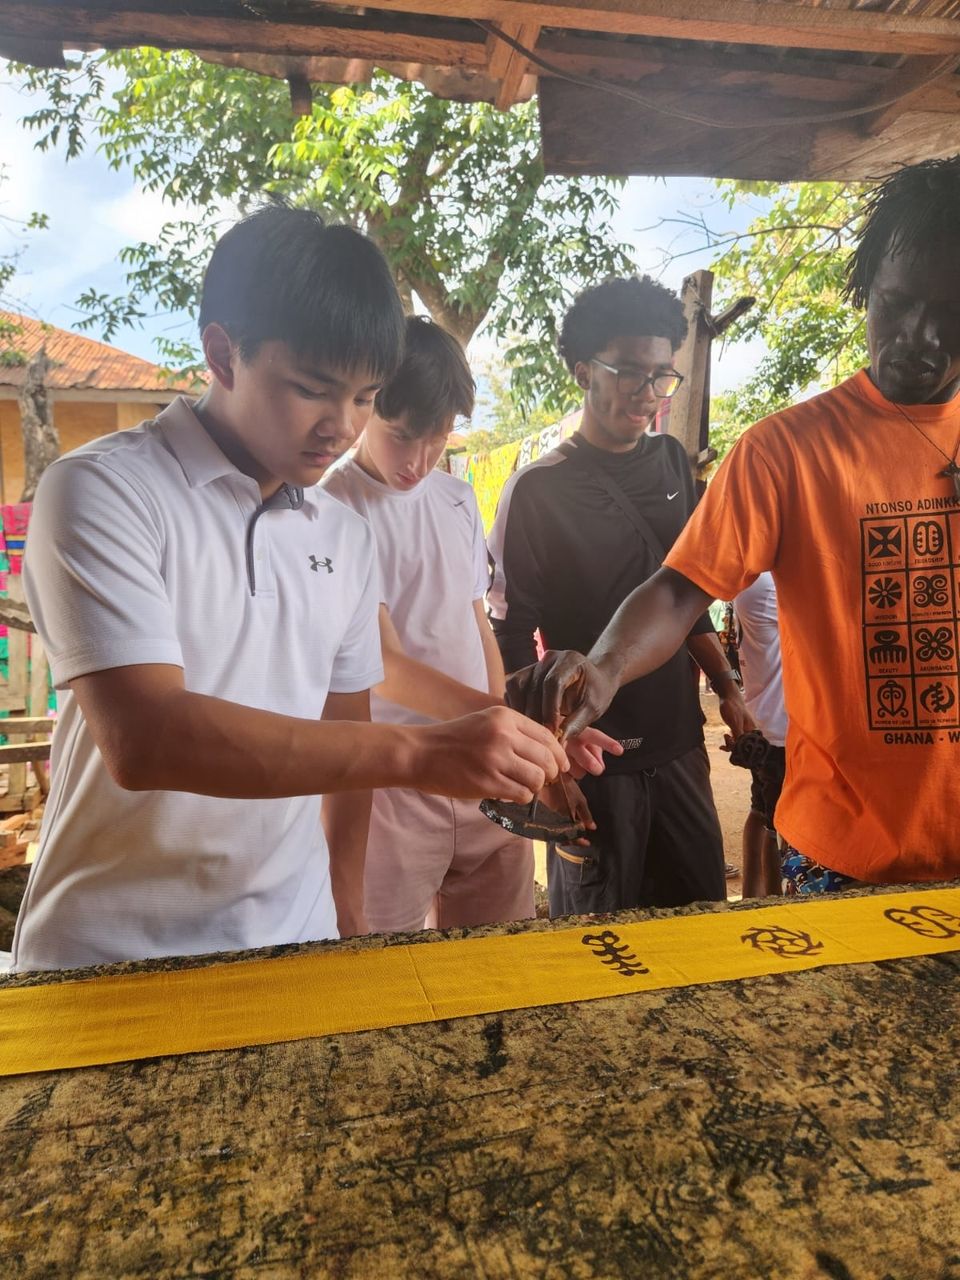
(439, 863)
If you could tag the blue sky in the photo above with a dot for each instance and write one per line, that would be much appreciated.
(95, 211)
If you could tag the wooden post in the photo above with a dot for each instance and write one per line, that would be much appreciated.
(693, 361)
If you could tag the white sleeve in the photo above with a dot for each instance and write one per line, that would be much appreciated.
(358, 664)
(92, 573)
(340, 483)
(481, 560)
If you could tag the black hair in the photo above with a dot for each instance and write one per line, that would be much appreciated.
(915, 211)
(635, 307)
(326, 291)
(433, 384)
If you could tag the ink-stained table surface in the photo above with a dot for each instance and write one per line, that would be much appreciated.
(793, 1126)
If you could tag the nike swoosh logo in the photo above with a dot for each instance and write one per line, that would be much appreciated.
(671, 496)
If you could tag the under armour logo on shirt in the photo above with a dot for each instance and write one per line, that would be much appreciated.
(316, 564)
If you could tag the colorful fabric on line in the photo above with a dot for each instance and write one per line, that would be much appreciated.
(802, 877)
(488, 473)
(15, 517)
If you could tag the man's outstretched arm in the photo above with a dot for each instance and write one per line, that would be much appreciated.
(421, 688)
(156, 735)
(707, 652)
(571, 690)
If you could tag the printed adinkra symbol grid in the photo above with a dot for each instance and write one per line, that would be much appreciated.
(911, 590)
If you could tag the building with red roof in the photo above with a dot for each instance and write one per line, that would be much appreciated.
(95, 389)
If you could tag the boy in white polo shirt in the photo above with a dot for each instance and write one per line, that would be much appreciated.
(211, 622)
(431, 861)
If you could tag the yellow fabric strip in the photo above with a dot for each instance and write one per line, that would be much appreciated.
(225, 1006)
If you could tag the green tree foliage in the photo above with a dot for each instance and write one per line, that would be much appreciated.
(455, 193)
(792, 259)
(727, 423)
(11, 250)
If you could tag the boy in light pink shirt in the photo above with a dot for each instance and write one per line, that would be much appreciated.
(431, 862)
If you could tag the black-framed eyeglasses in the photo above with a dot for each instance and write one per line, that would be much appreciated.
(630, 382)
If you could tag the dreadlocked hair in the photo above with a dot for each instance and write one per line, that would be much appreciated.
(915, 211)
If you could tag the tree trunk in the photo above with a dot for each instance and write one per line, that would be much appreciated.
(41, 444)
(462, 324)
(405, 291)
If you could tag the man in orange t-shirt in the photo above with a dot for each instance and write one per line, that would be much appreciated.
(852, 500)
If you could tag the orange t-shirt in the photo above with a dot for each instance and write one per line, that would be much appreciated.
(839, 496)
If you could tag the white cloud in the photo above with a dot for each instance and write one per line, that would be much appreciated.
(137, 214)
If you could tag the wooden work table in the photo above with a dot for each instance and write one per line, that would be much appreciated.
(793, 1126)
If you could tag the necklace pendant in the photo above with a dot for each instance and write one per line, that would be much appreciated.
(952, 471)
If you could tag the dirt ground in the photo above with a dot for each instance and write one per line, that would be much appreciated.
(731, 791)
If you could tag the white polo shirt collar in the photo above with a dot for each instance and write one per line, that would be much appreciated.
(203, 461)
(200, 457)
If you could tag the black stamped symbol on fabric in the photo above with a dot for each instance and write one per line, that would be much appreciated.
(316, 564)
(930, 590)
(928, 538)
(614, 953)
(891, 700)
(778, 941)
(934, 644)
(885, 593)
(886, 541)
(910, 606)
(928, 922)
(937, 698)
(887, 648)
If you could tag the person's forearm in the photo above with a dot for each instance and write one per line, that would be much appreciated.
(707, 652)
(211, 747)
(346, 821)
(420, 688)
(649, 627)
(154, 735)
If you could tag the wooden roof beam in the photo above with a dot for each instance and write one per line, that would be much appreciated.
(823, 84)
(506, 64)
(751, 22)
(913, 72)
(39, 53)
(626, 59)
(70, 25)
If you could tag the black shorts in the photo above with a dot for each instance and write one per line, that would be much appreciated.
(658, 842)
(767, 784)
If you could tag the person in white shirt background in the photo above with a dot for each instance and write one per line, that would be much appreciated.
(761, 669)
(433, 861)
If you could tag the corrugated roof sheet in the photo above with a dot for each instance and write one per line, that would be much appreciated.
(83, 364)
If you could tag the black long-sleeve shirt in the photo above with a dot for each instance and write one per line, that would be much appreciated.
(565, 557)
